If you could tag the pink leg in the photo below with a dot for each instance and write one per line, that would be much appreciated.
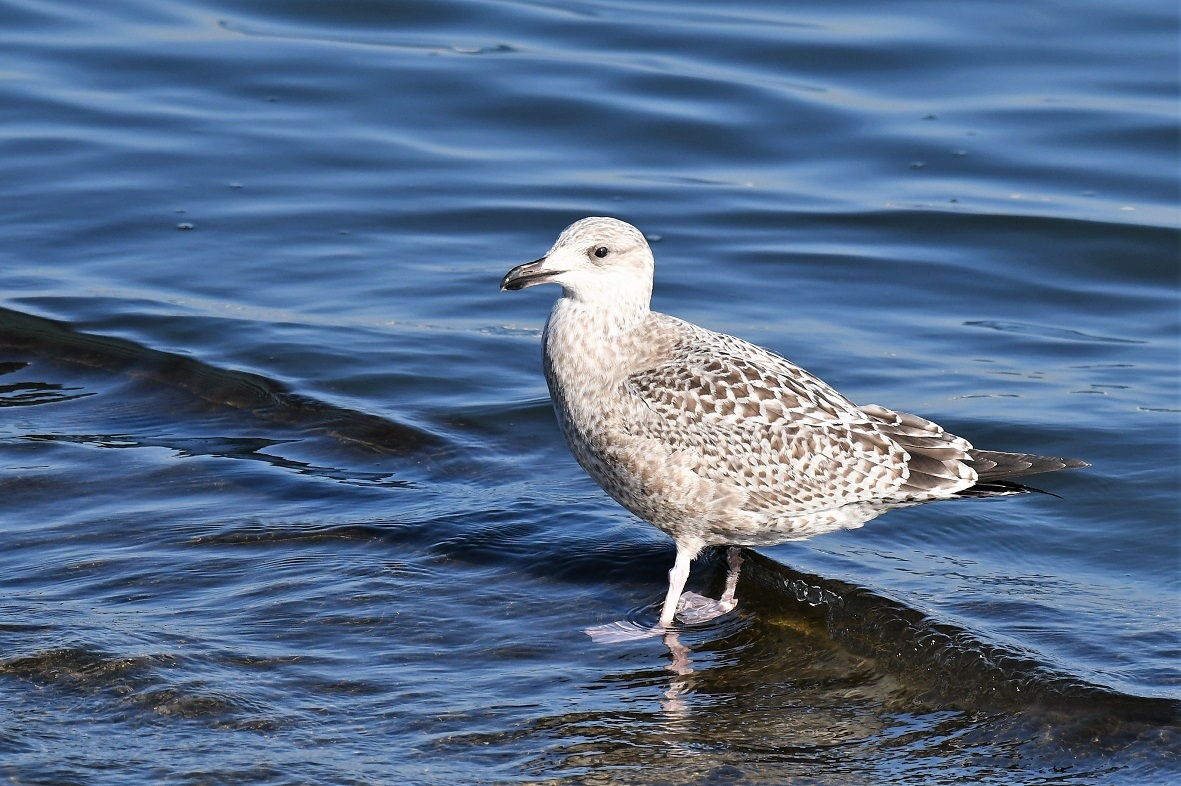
(676, 584)
(734, 560)
(695, 609)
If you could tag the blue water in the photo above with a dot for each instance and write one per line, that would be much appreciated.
(283, 500)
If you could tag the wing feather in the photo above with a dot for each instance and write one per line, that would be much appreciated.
(739, 415)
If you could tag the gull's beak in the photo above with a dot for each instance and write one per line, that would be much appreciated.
(527, 275)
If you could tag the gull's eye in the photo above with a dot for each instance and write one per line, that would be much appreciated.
(602, 251)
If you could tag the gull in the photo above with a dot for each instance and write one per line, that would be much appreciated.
(719, 442)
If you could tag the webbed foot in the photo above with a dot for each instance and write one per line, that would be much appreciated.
(694, 609)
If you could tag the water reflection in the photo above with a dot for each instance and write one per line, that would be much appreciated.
(673, 703)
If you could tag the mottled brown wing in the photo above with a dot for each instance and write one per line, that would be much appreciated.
(743, 416)
(939, 462)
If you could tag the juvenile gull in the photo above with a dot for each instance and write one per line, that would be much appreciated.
(719, 442)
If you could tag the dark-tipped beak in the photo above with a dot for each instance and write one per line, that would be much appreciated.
(526, 275)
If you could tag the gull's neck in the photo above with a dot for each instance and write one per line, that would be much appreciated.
(605, 318)
(589, 346)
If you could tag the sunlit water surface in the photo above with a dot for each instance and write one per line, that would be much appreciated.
(283, 497)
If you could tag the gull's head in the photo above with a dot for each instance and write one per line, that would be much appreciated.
(598, 260)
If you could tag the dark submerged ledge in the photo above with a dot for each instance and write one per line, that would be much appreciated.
(947, 665)
(263, 398)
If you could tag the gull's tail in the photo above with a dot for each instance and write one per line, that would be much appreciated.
(995, 469)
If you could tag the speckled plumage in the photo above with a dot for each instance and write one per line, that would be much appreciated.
(717, 441)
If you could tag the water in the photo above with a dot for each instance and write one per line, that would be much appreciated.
(284, 501)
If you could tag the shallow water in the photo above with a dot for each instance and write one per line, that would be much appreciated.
(284, 500)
